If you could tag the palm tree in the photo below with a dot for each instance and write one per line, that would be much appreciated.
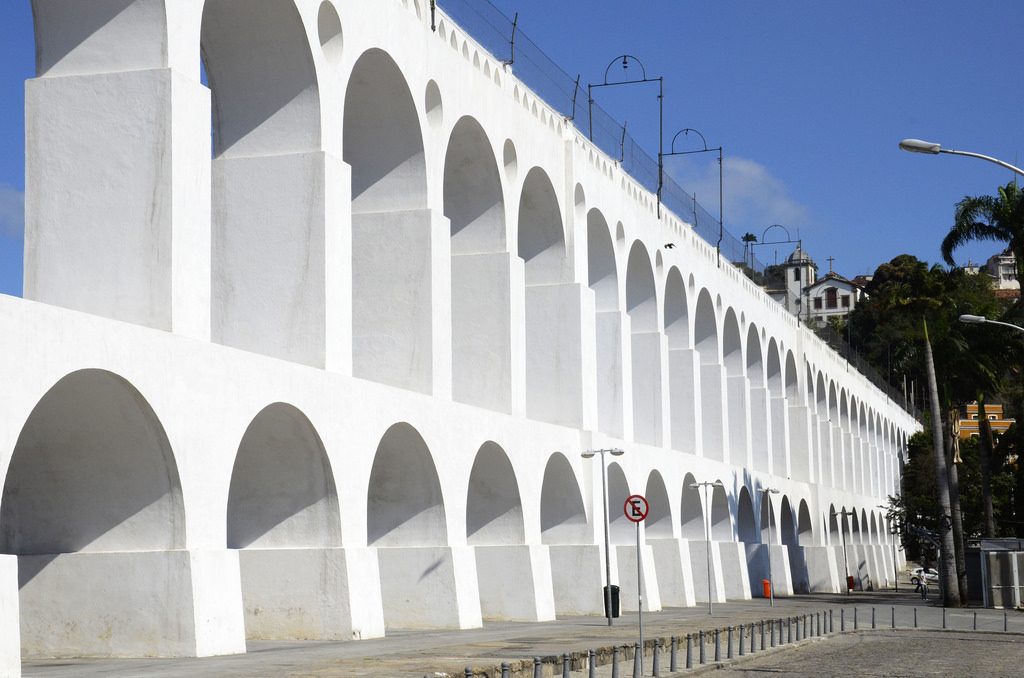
(997, 218)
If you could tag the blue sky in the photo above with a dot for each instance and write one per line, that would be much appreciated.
(809, 99)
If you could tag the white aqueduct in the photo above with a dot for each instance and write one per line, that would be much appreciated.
(337, 378)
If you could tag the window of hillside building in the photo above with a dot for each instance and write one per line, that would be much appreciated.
(796, 274)
(817, 303)
(831, 297)
(846, 301)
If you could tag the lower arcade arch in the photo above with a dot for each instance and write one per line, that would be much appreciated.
(658, 524)
(494, 509)
(691, 511)
(563, 517)
(92, 500)
(284, 518)
(404, 505)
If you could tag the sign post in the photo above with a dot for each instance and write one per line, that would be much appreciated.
(636, 509)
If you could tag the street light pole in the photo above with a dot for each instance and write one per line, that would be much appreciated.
(707, 530)
(930, 148)
(766, 493)
(615, 452)
(982, 320)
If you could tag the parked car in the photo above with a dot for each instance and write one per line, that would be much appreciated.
(918, 573)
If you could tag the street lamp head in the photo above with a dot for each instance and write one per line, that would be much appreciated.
(918, 146)
(589, 454)
(717, 483)
(617, 452)
(769, 490)
(973, 319)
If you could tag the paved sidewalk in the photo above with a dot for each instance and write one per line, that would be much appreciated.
(413, 654)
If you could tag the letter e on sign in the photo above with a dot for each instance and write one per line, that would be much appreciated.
(636, 508)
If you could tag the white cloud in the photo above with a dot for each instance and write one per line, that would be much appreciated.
(752, 195)
(12, 212)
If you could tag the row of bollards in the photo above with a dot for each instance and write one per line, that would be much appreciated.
(747, 638)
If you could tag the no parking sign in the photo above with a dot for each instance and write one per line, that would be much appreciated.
(636, 508)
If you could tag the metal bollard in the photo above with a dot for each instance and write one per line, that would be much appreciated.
(796, 623)
(873, 618)
(615, 662)
(1004, 622)
(718, 647)
(565, 666)
(975, 621)
(656, 659)
(842, 620)
(893, 617)
(689, 651)
(819, 616)
(943, 617)
(741, 640)
(831, 622)
(753, 647)
(672, 665)
(591, 662)
(506, 669)
(789, 629)
(728, 644)
(469, 672)
(915, 617)
(536, 667)
(638, 661)
(700, 641)
(854, 619)
(771, 631)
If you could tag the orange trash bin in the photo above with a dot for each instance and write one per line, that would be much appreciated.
(766, 588)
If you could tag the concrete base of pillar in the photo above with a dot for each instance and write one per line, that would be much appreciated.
(823, 572)
(307, 594)
(675, 572)
(10, 639)
(626, 557)
(699, 566)
(131, 604)
(429, 587)
(515, 583)
(734, 569)
(577, 579)
(757, 568)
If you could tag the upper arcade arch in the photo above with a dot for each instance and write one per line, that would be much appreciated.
(481, 296)
(646, 340)
(603, 279)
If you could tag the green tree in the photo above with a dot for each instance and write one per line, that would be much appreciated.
(998, 218)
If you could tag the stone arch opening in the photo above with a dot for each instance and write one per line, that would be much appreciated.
(563, 516)
(761, 440)
(645, 339)
(392, 293)
(282, 492)
(767, 519)
(705, 338)
(834, 536)
(823, 433)
(480, 269)
(721, 520)
(553, 385)
(682, 370)
(404, 504)
(739, 416)
(603, 278)
(805, 527)
(268, 237)
(283, 515)
(658, 524)
(691, 511)
(92, 473)
(745, 525)
(494, 509)
(621, 530)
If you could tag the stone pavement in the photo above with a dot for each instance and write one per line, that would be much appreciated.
(413, 654)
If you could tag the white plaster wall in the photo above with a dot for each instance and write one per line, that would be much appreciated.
(135, 246)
